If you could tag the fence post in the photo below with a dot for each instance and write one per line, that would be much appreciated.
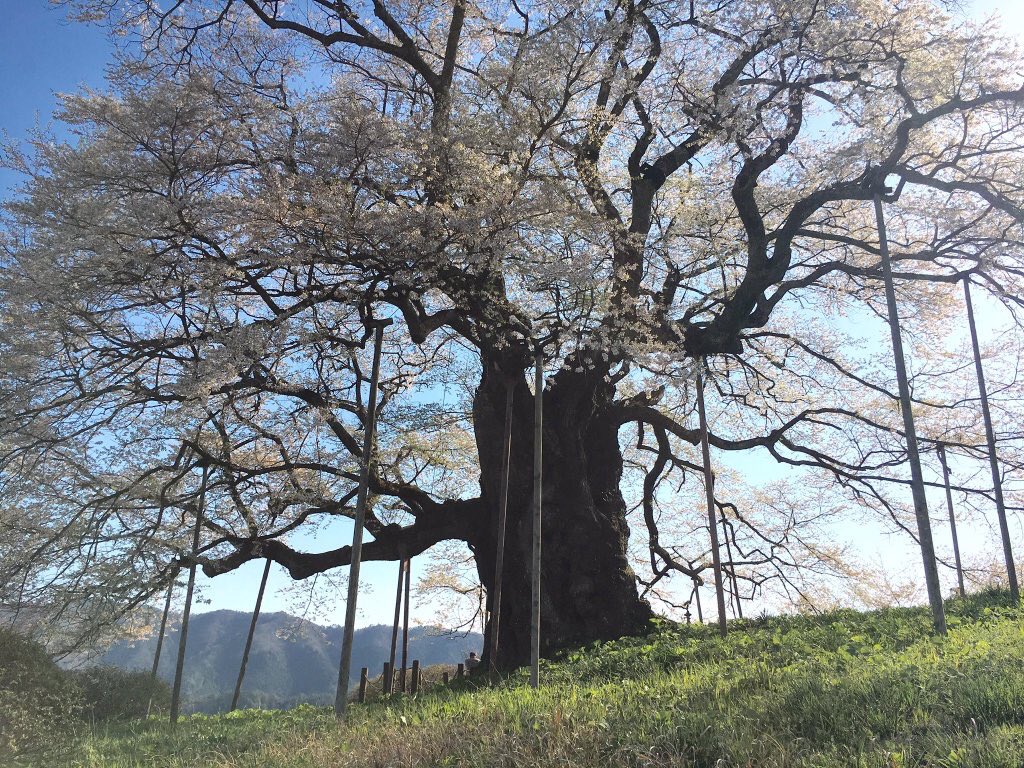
(444, 677)
(387, 678)
(362, 684)
(414, 686)
(460, 672)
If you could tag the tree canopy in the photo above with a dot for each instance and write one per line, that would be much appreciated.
(645, 189)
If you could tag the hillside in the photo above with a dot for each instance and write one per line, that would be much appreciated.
(844, 689)
(291, 661)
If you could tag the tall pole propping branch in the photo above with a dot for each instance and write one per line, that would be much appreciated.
(405, 625)
(163, 626)
(734, 592)
(993, 460)
(538, 476)
(179, 669)
(248, 639)
(161, 634)
(389, 680)
(709, 488)
(499, 546)
(341, 695)
(924, 528)
(940, 449)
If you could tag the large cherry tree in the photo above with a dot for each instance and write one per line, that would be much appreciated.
(646, 190)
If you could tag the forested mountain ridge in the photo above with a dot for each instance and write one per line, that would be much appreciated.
(292, 660)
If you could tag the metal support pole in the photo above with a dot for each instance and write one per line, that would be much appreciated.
(389, 683)
(709, 488)
(179, 668)
(538, 478)
(341, 695)
(405, 625)
(993, 460)
(249, 637)
(499, 550)
(924, 528)
(940, 449)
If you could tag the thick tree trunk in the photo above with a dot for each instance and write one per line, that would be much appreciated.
(588, 588)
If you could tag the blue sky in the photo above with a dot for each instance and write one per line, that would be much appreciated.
(42, 54)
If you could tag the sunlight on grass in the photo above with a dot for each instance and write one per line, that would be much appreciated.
(846, 689)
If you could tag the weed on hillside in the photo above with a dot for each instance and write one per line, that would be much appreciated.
(843, 689)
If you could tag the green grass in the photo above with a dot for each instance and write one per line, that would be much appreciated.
(846, 689)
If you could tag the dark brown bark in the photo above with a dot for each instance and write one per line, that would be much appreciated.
(588, 588)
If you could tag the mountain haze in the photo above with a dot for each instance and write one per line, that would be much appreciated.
(292, 660)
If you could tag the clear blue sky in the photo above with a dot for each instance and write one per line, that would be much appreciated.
(41, 54)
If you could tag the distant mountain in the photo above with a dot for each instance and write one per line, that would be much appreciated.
(292, 660)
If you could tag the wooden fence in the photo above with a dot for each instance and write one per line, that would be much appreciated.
(372, 688)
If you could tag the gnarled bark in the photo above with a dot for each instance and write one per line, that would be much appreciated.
(588, 587)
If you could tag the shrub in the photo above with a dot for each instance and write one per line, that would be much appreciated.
(39, 703)
(110, 693)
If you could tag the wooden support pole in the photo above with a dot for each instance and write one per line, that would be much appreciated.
(389, 683)
(460, 671)
(179, 668)
(160, 635)
(405, 625)
(414, 685)
(538, 477)
(387, 678)
(993, 460)
(163, 625)
(444, 677)
(940, 449)
(734, 589)
(341, 694)
(709, 490)
(249, 637)
(499, 550)
(924, 527)
(363, 680)
(696, 595)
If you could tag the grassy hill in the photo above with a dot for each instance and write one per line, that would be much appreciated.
(844, 689)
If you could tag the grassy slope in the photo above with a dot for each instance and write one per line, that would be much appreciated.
(846, 689)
